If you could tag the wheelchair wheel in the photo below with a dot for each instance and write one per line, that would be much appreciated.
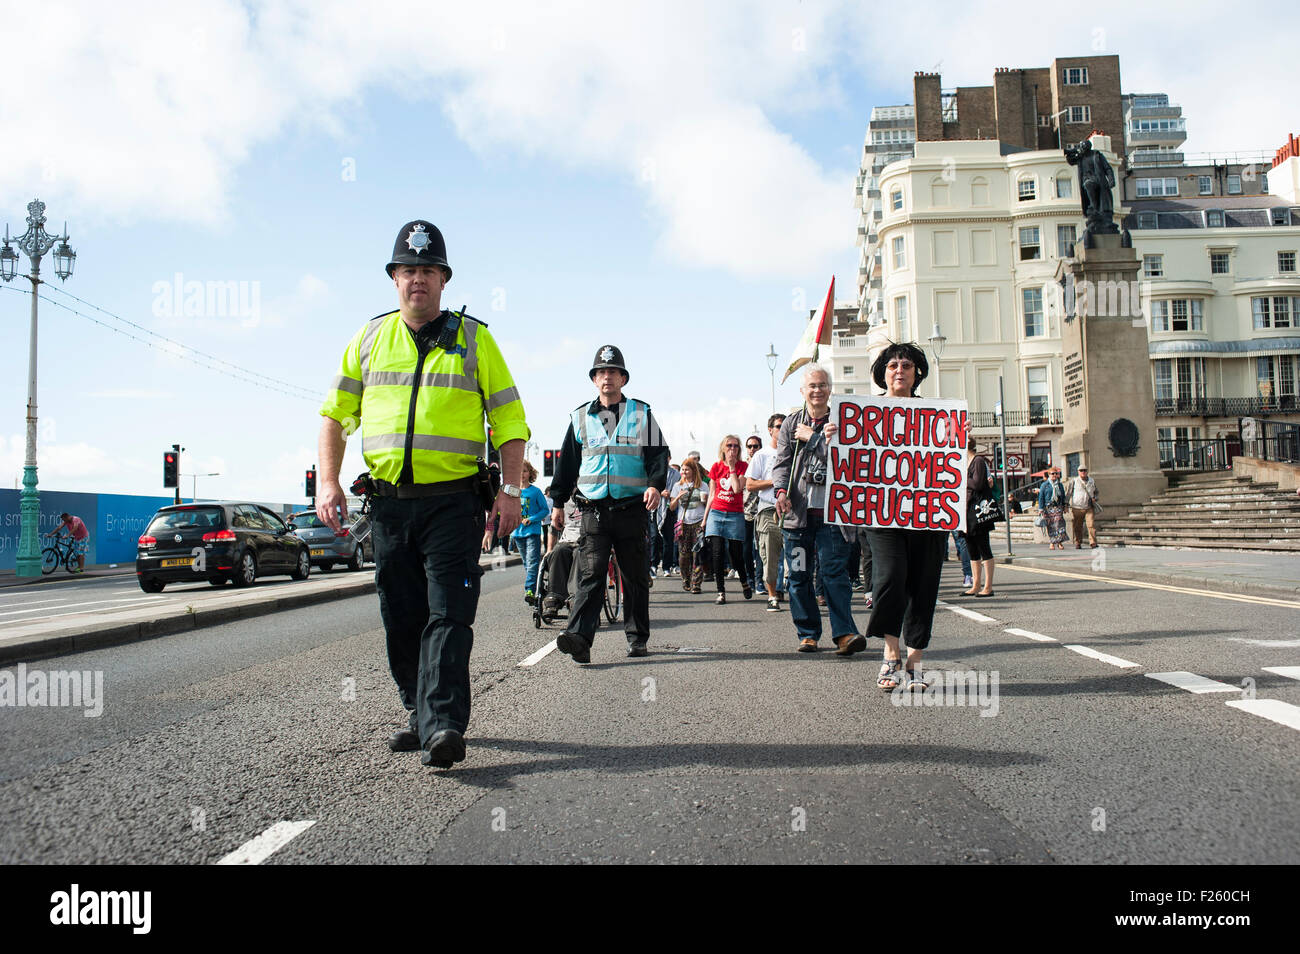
(542, 579)
(613, 591)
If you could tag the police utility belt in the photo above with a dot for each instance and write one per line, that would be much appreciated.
(485, 484)
(607, 504)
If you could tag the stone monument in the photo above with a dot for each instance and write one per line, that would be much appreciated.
(1110, 415)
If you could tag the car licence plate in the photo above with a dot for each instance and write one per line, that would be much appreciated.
(187, 561)
(317, 552)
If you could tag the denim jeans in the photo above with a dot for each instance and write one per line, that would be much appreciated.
(963, 553)
(530, 548)
(832, 553)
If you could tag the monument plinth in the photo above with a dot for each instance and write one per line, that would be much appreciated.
(1110, 413)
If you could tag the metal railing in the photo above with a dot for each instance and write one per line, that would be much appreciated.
(1270, 440)
(1045, 417)
(1194, 453)
(1226, 407)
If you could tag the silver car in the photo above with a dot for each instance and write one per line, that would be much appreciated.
(326, 548)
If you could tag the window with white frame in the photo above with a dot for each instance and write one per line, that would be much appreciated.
(1035, 326)
(896, 200)
(1275, 376)
(1277, 311)
(901, 322)
(1064, 187)
(1036, 378)
(1156, 187)
(1080, 114)
(1027, 189)
(1219, 263)
(1177, 314)
(1153, 266)
(1286, 261)
(1181, 378)
(900, 252)
(1214, 219)
(1148, 220)
(1164, 379)
(848, 370)
(1066, 236)
(1204, 185)
(1075, 76)
(1030, 245)
(1234, 185)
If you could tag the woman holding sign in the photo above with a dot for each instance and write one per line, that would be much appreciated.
(906, 563)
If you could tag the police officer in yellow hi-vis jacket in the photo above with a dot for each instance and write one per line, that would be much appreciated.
(416, 382)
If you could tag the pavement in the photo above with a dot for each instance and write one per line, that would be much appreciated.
(1261, 573)
(197, 609)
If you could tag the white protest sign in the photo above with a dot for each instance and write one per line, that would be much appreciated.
(897, 462)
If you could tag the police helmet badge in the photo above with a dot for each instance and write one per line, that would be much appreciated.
(607, 354)
(417, 240)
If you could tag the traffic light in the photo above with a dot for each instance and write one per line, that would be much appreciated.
(548, 463)
(311, 482)
(997, 457)
(171, 476)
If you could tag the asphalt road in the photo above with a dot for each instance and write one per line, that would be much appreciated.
(723, 745)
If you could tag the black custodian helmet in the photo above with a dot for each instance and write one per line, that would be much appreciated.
(419, 243)
(607, 356)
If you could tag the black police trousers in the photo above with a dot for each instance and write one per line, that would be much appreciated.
(624, 532)
(427, 572)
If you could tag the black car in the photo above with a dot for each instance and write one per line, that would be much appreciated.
(327, 549)
(217, 542)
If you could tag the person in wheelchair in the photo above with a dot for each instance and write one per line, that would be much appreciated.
(561, 567)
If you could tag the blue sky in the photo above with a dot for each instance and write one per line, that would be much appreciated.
(675, 179)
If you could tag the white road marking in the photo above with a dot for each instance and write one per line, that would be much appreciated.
(27, 603)
(1291, 672)
(1190, 681)
(152, 599)
(1279, 643)
(266, 844)
(969, 614)
(1111, 660)
(1024, 632)
(1098, 578)
(1274, 709)
(539, 655)
(131, 602)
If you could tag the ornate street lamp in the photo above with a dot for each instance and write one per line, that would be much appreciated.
(937, 341)
(771, 367)
(35, 243)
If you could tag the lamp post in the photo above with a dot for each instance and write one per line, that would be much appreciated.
(937, 341)
(771, 367)
(35, 243)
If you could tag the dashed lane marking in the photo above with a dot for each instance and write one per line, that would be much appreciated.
(1192, 682)
(539, 655)
(969, 614)
(1102, 657)
(1095, 578)
(1291, 672)
(267, 843)
(1029, 634)
(107, 609)
(1273, 709)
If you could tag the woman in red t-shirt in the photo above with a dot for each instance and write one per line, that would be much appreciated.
(724, 527)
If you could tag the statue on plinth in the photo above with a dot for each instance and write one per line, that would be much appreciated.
(1096, 180)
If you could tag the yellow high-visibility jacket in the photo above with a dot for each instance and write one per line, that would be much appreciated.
(376, 382)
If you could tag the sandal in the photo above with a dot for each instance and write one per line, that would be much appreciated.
(888, 679)
(916, 682)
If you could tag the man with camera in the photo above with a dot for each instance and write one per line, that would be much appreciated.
(417, 382)
(799, 478)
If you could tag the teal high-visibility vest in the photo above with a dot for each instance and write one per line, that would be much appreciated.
(612, 462)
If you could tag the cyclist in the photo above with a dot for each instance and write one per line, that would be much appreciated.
(80, 538)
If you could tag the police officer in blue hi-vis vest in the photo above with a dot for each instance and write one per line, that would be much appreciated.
(613, 463)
